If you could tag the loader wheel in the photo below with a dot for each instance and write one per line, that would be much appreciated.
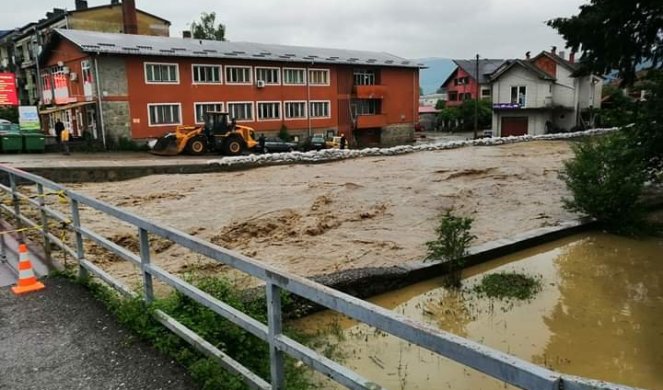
(196, 146)
(233, 146)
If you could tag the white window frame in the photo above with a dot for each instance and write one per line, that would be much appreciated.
(326, 70)
(177, 73)
(310, 112)
(195, 110)
(250, 68)
(278, 74)
(285, 110)
(303, 72)
(280, 110)
(193, 74)
(253, 110)
(149, 117)
(517, 94)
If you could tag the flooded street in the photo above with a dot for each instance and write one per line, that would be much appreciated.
(599, 315)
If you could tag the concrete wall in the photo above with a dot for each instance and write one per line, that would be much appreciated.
(116, 120)
(112, 72)
(564, 89)
(536, 120)
(397, 134)
(109, 19)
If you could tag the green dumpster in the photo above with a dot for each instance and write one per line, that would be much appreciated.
(34, 142)
(10, 138)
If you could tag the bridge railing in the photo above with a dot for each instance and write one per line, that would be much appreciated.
(494, 363)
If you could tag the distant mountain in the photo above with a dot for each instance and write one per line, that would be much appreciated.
(438, 70)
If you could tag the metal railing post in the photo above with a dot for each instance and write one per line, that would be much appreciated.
(44, 222)
(17, 207)
(80, 253)
(145, 262)
(275, 326)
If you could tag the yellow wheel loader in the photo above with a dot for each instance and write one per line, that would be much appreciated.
(217, 135)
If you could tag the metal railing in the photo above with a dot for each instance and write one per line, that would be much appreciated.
(494, 363)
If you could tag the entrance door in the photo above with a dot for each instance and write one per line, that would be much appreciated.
(91, 120)
(514, 125)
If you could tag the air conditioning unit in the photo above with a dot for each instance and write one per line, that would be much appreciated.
(73, 76)
(65, 70)
(260, 84)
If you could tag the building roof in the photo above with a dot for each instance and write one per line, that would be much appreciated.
(428, 110)
(559, 60)
(486, 67)
(529, 66)
(125, 44)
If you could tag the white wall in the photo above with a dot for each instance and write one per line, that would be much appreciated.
(538, 91)
(564, 89)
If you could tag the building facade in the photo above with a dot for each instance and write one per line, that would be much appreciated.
(143, 87)
(461, 84)
(541, 95)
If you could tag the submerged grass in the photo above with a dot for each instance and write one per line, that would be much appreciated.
(509, 285)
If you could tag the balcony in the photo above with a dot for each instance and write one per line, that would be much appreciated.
(371, 121)
(370, 91)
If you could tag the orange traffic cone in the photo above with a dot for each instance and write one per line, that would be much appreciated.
(27, 281)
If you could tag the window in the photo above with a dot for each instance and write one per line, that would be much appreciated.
(269, 111)
(238, 75)
(202, 108)
(519, 95)
(162, 73)
(319, 109)
(318, 76)
(453, 96)
(86, 70)
(294, 76)
(295, 110)
(364, 77)
(467, 96)
(268, 75)
(368, 107)
(241, 111)
(164, 114)
(485, 93)
(206, 74)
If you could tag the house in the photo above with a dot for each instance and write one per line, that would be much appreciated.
(462, 84)
(431, 100)
(541, 94)
(142, 87)
(19, 49)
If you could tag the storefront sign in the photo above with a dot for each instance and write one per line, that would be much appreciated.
(506, 106)
(8, 95)
(28, 118)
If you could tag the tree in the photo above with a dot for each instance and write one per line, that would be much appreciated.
(207, 28)
(440, 104)
(615, 35)
(485, 113)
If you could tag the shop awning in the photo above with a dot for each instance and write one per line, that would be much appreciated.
(65, 107)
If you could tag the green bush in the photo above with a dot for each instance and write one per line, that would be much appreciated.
(283, 133)
(606, 178)
(451, 245)
(505, 285)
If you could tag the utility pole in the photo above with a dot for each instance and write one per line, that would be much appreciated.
(476, 99)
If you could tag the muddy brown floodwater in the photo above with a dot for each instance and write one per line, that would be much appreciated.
(317, 219)
(599, 315)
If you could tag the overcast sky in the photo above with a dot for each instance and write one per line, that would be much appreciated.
(407, 28)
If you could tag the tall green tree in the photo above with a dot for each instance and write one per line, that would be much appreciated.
(615, 35)
(207, 28)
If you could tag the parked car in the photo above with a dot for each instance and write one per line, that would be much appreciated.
(5, 122)
(277, 145)
(317, 142)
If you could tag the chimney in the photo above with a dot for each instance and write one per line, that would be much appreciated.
(553, 50)
(81, 4)
(129, 17)
(186, 34)
(528, 55)
(572, 57)
(562, 54)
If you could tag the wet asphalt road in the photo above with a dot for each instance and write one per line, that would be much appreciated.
(63, 338)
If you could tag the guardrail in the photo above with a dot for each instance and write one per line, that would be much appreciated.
(496, 364)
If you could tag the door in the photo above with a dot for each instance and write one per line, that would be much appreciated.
(514, 126)
(91, 116)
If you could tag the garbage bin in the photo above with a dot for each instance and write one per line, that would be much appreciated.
(34, 142)
(11, 142)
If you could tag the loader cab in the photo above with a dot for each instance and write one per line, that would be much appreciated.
(217, 123)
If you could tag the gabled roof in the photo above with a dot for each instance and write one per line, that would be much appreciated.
(559, 60)
(524, 64)
(126, 44)
(486, 67)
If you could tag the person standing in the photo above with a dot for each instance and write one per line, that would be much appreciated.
(261, 142)
(59, 127)
(64, 140)
(343, 141)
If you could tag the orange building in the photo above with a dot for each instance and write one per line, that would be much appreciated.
(142, 87)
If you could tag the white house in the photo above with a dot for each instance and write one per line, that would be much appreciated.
(540, 95)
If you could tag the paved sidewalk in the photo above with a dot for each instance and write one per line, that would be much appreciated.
(63, 338)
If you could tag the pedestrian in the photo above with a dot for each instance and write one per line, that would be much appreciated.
(64, 140)
(343, 141)
(261, 142)
(59, 127)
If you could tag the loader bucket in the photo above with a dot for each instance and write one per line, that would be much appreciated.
(166, 146)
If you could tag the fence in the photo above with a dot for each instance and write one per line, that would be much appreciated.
(496, 364)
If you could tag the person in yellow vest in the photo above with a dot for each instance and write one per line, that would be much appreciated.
(64, 140)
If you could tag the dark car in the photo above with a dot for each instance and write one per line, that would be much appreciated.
(317, 142)
(277, 145)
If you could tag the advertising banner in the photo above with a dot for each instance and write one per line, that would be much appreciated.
(28, 118)
(8, 95)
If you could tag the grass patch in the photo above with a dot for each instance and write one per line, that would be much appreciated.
(509, 285)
